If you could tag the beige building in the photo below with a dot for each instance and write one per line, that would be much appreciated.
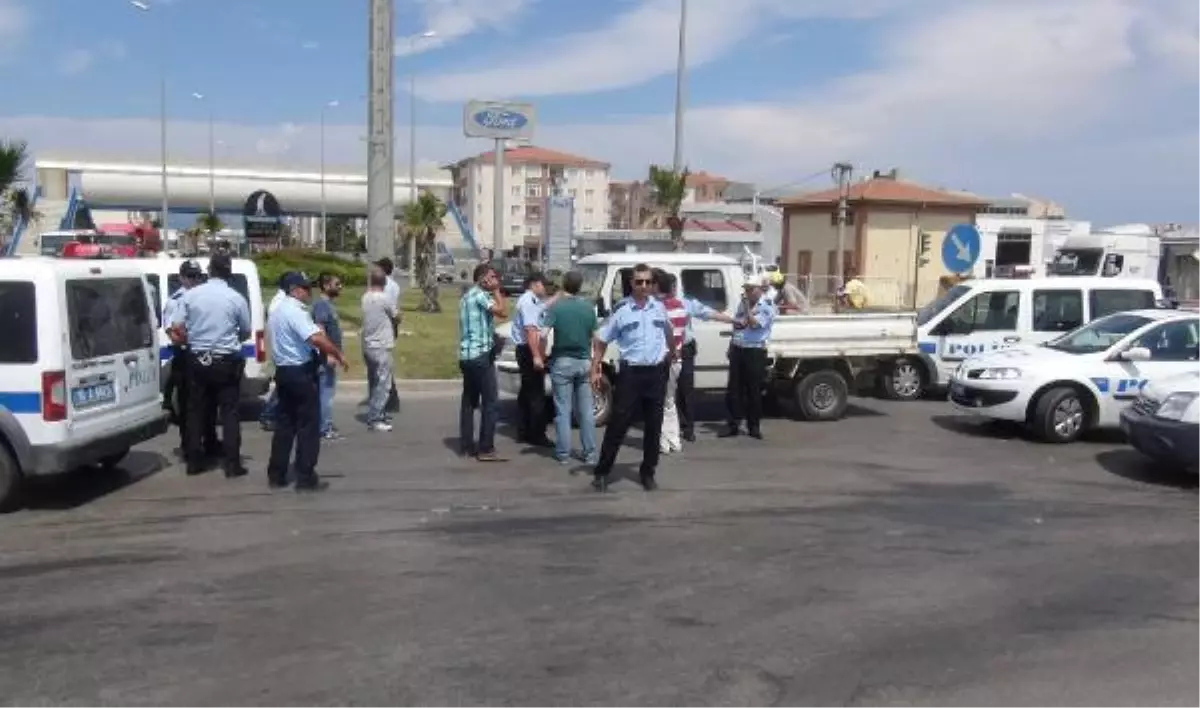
(885, 220)
(530, 176)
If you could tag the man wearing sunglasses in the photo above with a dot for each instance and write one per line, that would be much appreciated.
(642, 333)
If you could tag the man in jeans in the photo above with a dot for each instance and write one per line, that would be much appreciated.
(477, 312)
(378, 340)
(572, 319)
(325, 315)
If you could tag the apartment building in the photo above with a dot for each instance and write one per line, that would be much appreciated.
(531, 174)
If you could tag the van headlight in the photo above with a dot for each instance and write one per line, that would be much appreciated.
(1175, 405)
(1000, 373)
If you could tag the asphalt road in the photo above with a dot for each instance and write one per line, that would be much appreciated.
(901, 556)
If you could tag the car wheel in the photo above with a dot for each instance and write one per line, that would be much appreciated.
(602, 402)
(10, 481)
(822, 396)
(1060, 416)
(904, 381)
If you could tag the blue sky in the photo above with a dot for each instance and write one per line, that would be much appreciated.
(1089, 102)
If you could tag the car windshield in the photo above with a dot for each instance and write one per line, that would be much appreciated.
(1098, 335)
(933, 309)
(1077, 261)
(593, 279)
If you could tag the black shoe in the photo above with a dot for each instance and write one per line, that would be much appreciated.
(235, 472)
(730, 432)
(277, 484)
(312, 487)
(194, 470)
(648, 482)
(689, 437)
(600, 483)
(756, 434)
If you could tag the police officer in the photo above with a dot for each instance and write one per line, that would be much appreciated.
(644, 339)
(748, 361)
(297, 342)
(213, 320)
(175, 397)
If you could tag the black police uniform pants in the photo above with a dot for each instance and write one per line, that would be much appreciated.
(214, 381)
(298, 423)
(639, 389)
(685, 389)
(743, 394)
(179, 385)
(531, 398)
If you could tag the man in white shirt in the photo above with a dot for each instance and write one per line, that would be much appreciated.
(392, 290)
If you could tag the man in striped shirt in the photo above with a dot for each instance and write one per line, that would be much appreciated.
(677, 315)
(477, 313)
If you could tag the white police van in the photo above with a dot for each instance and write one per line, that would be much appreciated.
(79, 375)
(163, 276)
(1082, 380)
(980, 316)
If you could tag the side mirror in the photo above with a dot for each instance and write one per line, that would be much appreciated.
(1136, 354)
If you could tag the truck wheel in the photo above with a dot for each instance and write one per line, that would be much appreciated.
(904, 381)
(602, 402)
(109, 462)
(822, 396)
(1060, 416)
(10, 481)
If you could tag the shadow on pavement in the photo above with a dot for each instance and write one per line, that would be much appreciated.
(83, 486)
(1136, 467)
(980, 427)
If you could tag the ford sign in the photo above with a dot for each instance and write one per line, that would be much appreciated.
(487, 119)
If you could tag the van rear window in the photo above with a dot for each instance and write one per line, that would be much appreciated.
(18, 322)
(107, 316)
(1108, 302)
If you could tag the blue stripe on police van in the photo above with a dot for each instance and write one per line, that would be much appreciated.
(248, 352)
(927, 347)
(21, 401)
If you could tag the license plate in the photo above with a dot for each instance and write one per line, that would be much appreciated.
(93, 395)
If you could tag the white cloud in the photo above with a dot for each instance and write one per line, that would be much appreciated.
(452, 20)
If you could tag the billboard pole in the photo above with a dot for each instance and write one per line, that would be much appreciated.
(381, 199)
(498, 199)
(499, 121)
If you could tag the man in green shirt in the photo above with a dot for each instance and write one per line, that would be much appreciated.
(572, 323)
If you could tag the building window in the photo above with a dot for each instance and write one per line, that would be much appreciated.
(515, 210)
(533, 213)
(516, 171)
(533, 190)
(479, 187)
(588, 174)
(588, 194)
(572, 192)
(588, 211)
(833, 218)
(516, 191)
(515, 230)
(572, 173)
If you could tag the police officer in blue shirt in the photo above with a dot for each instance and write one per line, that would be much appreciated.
(642, 333)
(298, 346)
(748, 361)
(176, 398)
(526, 336)
(213, 319)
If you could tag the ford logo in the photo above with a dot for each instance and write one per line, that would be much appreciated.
(499, 119)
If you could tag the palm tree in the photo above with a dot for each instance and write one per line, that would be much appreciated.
(422, 220)
(669, 187)
(209, 223)
(15, 202)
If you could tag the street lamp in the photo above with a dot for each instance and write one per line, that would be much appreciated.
(212, 164)
(412, 143)
(144, 6)
(680, 68)
(324, 215)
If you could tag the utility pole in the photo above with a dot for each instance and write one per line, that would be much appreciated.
(841, 174)
(680, 69)
(381, 198)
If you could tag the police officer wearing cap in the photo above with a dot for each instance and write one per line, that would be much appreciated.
(175, 397)
(214, 319)
(748, 360)
(298, 346)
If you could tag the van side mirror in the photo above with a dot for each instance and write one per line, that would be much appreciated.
(1136, 354)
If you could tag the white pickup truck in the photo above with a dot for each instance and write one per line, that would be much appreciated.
(816, 361)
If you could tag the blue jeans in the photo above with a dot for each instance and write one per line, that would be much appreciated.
(270, 407)
(573, 391)
(328, 378)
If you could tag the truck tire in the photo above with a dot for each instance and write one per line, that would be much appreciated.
(10, 480)
(1060, 416)
(822, 396)
(904, 380)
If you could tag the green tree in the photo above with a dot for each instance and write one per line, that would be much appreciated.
(669, 189)
(340, 234)
(209, 223)
(422, 221)
(15, 201)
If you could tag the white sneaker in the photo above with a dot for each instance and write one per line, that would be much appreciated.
(380, 427)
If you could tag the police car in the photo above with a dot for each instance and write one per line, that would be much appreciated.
(1082, 380)
(1164, 422)
(79, 374)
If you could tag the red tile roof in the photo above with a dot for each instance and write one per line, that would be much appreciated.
(696, 179)
(529, 154)
(886, 190)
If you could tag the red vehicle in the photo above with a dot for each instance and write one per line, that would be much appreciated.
(129, 240)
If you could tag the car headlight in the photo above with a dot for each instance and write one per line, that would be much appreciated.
(1175, 406)
(1002, 373)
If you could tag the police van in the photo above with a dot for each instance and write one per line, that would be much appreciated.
(163, 277)
(79, 375)
(1083, 379)
(987, 315)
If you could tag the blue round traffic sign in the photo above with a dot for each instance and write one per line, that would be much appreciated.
(960, 248)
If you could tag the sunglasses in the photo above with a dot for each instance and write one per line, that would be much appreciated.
(640, 281)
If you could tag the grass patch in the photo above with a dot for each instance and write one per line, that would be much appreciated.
(428, 351)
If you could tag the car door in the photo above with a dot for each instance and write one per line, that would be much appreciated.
(710, 285)
(985, 323)
(111, 351)
(1174, 349)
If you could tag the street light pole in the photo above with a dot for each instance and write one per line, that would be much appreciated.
(144, 6)
(212, 166)
(324, 213)
(381, 199)
(680, 69)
